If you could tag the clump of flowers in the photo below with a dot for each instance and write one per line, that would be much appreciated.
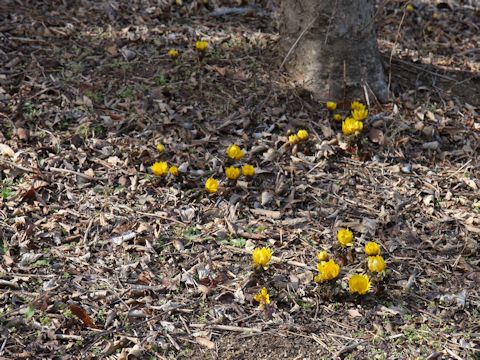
(232, 172)
(201, 46)
(234, 152)
(160, 148)
(262, 297)
(211, 185)
(331, 105)
(261, 257)
(323, 256)
(172, 53)
(372, 249)
(376, 264)
(248, 170)
(359, 284)
(302, 135)
(174, 171)
(327, 270)
(159, 168)
(350, 126)
(345, 237)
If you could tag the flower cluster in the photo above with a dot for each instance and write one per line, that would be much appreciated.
(234, 152)
(376, 263)
(358, 283)
(260, 258)
(353, 124)
(161, 168)
(201, 46)
(300, 136)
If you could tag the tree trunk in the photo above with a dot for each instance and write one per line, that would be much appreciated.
(331, 48)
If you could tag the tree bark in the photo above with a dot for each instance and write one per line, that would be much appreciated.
(331, 48)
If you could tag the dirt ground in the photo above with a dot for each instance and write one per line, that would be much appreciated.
(102, 259)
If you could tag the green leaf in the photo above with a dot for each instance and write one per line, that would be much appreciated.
(41, 263)
(238, 242)
(30, 312)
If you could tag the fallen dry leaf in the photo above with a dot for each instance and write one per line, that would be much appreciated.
(376, 136)
(79, 312)
(6, 150)
(205, 342)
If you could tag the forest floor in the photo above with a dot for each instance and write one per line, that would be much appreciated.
(102, 259)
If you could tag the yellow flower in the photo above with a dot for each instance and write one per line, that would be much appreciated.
(351, 126)
(359, 283)
(261, 257)
(302, 135)
(211, 185)
(172, 53)
(248, 170)
(345, 237)
(159, 168)
(372, 248)
(376, 263)
(201, 46)
(293, 139)
(179, 2)
(160, 148)
(331, 105)
(360, 114)
(357, 106)
(322, 256)
(337, 117)
(173, 170)
(262, 297)
(234, 152)
(232, 172)
(327, 270)
(410, 8)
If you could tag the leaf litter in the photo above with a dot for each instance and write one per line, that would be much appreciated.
(102, 258)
